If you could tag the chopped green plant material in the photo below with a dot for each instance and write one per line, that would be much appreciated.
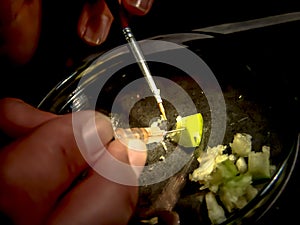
(216, 213)
(191, 133)
(241, 144)
(259, 164)
(234, 191)
(229, 177)
(241, 165)
(224, 171)
(208, 160)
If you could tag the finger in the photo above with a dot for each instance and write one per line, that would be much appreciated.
(17, 118)
(100, 199)
(9, 10)
(94, 22)
(96, 200)
(122, 162)
(137, 155)
(138, 7)
(19, 29)
(126, 156)
(37, 169)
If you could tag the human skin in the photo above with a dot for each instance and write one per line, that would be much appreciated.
(42, 169)
(39, 166)
(20, 25)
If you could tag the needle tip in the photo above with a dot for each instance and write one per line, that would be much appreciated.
(162, 110)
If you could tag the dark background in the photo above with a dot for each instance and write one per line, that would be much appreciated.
(61, 51)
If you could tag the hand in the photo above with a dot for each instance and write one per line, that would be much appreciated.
(96, 18)
(41, 170)
(20, 24)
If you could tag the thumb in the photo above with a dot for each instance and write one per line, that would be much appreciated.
(137, 155)
(38, 168)
(120, 162)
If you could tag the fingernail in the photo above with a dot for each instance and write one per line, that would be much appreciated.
(95, 133)
(97, 29)
(142, 5)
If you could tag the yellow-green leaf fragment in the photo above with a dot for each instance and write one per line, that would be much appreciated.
(192, 127)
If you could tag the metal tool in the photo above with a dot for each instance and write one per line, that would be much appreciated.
(120, 14)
